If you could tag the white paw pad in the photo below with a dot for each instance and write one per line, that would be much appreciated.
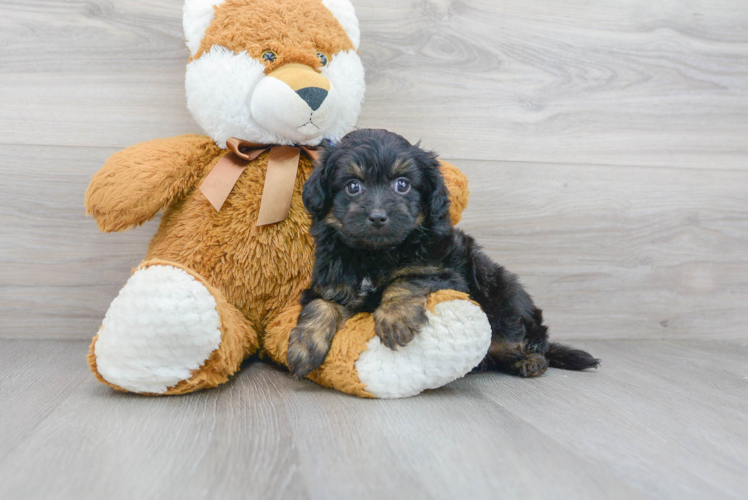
(161, 327)
(455, 340)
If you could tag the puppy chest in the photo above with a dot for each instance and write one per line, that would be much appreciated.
(368, 295)
(366, 287)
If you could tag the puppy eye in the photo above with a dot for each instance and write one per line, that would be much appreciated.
(402, 185)
(353, 188)
(269, 56)
(323, 59)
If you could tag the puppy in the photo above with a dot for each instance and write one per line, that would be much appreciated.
(380, 220)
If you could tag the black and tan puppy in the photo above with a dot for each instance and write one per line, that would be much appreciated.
(384, 241)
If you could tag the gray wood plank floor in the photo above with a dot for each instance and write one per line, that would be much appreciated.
(659, 419)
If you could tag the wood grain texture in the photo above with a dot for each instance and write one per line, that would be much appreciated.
(606, 149)
(58, 272)
(626, 83)
(611, 252)
(619, 252)
(659, 419)
(635, 83)
(75, 72)
(625, 211)
(25, 368)
(649, 412)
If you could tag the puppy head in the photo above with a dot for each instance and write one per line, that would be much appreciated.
(374, 189)
(273, 71)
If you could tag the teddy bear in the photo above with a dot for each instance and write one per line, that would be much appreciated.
(268, 81)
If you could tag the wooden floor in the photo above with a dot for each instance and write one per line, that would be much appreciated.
(659, 419)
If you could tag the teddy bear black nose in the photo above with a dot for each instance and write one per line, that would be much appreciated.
(314, 96)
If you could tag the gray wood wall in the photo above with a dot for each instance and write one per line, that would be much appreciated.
(606, 143)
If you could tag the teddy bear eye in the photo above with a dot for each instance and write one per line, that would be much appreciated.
(323, 59)
(402, 185)
(269, 56)
(353, 188)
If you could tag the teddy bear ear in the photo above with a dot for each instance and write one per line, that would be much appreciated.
(346, 15)
(198, 14)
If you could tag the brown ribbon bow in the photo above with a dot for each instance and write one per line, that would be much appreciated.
(283, 163)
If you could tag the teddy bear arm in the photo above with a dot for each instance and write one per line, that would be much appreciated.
(137, 182)
(457, 184)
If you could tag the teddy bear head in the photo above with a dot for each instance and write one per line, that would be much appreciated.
(273, 71)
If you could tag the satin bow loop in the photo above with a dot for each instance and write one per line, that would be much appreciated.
(283, 165)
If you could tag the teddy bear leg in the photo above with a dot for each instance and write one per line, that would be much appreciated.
(454, 342)
(169, 332)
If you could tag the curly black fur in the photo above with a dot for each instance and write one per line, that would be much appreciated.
(380, 220)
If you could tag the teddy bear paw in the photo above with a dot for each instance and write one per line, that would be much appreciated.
(162, 327)
(454, 341)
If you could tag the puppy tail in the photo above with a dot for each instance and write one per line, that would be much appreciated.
(567, 358)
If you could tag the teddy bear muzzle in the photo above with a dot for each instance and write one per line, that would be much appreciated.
(294, 101)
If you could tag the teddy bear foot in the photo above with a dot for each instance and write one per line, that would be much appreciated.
(169, 332)
(454, 342)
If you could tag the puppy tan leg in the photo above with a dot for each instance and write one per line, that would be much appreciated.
(401, 314)
(513, 358)
(311, 339)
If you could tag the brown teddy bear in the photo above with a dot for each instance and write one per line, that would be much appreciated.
(268, 80)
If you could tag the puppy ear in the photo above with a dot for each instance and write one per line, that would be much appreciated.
(436, 201)
(316, 195)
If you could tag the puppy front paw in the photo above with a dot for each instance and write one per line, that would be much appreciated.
(307, 350)
(398, 325)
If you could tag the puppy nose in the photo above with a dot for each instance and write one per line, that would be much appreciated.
(378, 218)
(314, 96)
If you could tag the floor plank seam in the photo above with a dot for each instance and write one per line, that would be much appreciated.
(593, 164)
(450, 159)
(66, 146)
